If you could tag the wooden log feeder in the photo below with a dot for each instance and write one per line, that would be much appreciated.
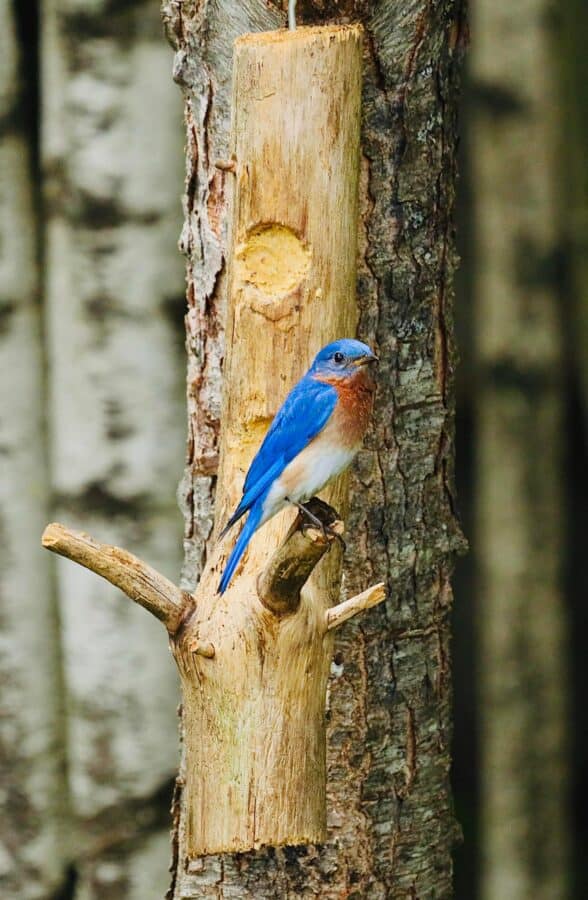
(254, 662)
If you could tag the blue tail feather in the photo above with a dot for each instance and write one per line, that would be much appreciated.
(253, 494)
(253, 520)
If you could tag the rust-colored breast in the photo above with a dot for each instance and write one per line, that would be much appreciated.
(356, 398)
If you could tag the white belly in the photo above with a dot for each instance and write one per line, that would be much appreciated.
(307, 474)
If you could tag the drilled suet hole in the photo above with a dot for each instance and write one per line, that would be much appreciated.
(273, 259)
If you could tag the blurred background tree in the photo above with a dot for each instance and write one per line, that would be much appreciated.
(91, 171)
(91, 375)
(519, 449)
(33, 794)
(521, 470)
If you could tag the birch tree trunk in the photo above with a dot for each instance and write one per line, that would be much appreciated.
(111, 147)
(390, 822)
(32, 786)
(520, 455)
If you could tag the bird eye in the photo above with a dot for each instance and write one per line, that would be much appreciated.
(338, 357)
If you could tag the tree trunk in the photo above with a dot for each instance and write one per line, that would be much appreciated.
(31, 728)
(574, 150)
(111, 148)
(390, 825)
(519, 530)
(573, 168)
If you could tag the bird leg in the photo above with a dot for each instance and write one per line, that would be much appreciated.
(326, 529)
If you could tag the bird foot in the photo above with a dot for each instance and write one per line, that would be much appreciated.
(325, 529)
(328, 530)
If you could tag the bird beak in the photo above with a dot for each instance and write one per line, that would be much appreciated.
(366, 360)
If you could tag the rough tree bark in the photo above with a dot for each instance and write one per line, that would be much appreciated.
(112, 162)
(32, 792)
(519, 527)
(390, 821)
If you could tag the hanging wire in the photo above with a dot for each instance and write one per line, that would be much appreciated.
(292, 15)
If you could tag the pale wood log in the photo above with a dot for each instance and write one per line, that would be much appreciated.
(139, 581)
(258, 725)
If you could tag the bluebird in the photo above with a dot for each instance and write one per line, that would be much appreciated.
(314, 437)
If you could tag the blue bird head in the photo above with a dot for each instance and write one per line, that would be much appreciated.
(341, 358)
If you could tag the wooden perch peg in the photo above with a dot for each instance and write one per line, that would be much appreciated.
(336, 615)
(135, 578)
(280, 584)
(290, 567)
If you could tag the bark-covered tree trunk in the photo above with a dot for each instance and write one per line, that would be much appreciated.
(112, 160)
(390, 821)
(519, 493)
(32, 792)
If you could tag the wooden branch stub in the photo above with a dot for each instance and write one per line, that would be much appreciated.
(290, 567)
(227, 165)
(336, 615)
(202, 648)
(136, 579)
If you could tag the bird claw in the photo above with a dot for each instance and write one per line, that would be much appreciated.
(326, 529)
(318, 523)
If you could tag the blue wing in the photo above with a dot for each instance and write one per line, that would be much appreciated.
(304, 413)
